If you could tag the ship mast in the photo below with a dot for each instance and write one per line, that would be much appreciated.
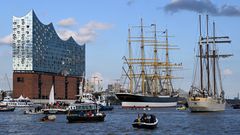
(142, 59)
(207, 41)
(155, 76)
(214, 61)
(148, 70)
(207, 57)
(130, 62)
(168, 72)
(200, 52)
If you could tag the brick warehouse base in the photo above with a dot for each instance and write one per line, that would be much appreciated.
(38, 85)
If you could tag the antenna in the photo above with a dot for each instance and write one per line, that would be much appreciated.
(200, 27)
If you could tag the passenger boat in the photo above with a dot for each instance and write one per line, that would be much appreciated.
(7, 109)
(84, 112)
(206, 93)
(147, 121)
(19, 102)
(147, 72)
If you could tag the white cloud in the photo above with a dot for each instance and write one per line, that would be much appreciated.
(227, 72)
(7, 40)
(86, 34)
(202, 6)
(67, 22)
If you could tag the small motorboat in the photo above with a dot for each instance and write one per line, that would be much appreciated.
(47, 118)
(147, 121)
(7, 109)
(236, 106)
(181, 108)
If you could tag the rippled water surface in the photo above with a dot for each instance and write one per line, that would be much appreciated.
(118, 121)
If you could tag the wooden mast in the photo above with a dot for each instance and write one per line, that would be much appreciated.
(155, 77)
(142, 59)
(167, 63)
(207, 57)
(145, 63)
(130, 62)
(214, 62)
(200, 52)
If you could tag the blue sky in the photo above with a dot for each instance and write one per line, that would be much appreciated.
(103, 26)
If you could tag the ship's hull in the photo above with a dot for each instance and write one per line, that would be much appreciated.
(141, 101)
(209, 104)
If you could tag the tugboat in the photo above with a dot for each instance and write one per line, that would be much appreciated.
(84, 112)
(147, 121)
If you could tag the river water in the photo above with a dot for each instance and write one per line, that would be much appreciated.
(118, 121)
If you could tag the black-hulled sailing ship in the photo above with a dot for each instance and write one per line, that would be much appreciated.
(206, 93)
(148, 70)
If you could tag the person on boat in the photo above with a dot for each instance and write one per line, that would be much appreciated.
(45, 118)
(89, 114)
(144, 117)
(138, 119)
(81, 113)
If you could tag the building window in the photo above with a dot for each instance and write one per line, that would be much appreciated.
(20, 79)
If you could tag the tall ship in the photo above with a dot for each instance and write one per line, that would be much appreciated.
(206, 93)
(147, 71)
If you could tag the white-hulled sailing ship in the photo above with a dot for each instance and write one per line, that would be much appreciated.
(148, 70)
(206, 93)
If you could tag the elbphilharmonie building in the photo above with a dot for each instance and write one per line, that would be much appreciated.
(41, 59)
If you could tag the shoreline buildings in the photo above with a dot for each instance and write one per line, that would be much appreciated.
(42, 59)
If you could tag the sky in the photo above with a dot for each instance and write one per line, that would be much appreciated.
(103, 26)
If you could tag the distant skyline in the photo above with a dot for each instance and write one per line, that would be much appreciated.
(103, 26)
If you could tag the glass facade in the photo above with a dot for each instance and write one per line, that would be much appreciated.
(38, 48)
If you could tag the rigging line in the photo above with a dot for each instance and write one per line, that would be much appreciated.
(195, 69)
(138, 82)
(8, 82)
(220, 78)
(126, 72)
